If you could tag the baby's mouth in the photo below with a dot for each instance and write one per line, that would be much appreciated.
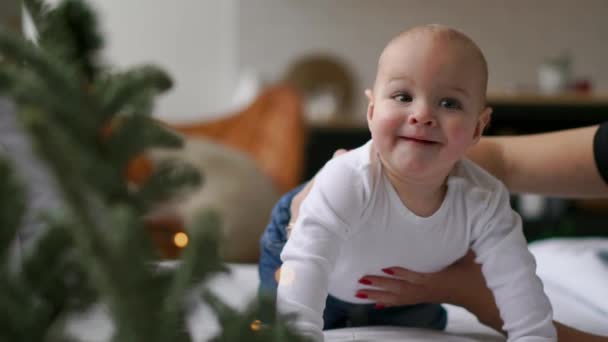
(418, 140)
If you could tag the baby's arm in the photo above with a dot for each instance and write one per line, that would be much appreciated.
(510, 272)
(310, 254)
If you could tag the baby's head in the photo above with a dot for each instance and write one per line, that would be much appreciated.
(428, 105)
(440, 45)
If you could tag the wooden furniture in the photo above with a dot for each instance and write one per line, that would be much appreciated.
(534, 113)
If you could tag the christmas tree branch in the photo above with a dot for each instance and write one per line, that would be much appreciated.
(88, 124)
(37, 9)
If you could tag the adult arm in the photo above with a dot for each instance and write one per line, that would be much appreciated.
(460, 284)
(560, 163)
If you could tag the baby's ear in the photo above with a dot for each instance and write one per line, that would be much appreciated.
(482, 123)
(370, 105)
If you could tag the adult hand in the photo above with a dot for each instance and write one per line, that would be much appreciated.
(461, 283)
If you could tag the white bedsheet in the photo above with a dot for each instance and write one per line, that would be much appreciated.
(575, 278)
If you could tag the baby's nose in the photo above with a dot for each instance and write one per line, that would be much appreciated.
(422, 115)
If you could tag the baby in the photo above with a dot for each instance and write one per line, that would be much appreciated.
(409, 198)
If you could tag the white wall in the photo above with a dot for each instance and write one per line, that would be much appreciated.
(204, 44)
(515, 35)
(194, 40)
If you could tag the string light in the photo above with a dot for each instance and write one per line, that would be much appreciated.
(256, 325)
(180, 239)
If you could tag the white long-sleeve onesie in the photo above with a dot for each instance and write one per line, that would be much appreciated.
(353, 223)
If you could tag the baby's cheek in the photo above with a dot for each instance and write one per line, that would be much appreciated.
(385, 125)
(462, 134)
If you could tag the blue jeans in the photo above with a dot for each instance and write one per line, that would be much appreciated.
(337, 314)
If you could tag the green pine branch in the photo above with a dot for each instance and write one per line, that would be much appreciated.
(37, 9)
(12, 209)
(87, 122)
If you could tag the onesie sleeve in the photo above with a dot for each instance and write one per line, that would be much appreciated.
(335, 202)
(510, 271)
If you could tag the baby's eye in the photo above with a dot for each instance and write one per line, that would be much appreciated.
(450, 103)
(403, 97)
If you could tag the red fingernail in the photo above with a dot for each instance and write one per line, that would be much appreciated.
(378, 306)
(361, 295)
(388, 271)
(364, 281)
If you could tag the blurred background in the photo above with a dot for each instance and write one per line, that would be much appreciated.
(266, 90)
(209, 46)
(281, 81)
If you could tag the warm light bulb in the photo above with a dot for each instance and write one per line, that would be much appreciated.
(180, 239)
(256, 325)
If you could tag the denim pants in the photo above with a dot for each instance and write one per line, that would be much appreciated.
(337, 314)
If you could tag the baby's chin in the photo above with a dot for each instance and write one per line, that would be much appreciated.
(413, 166)
(417, 164)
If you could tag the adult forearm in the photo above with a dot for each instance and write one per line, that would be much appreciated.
(489, 316)
(560, 164)
(489, 154)
(486, 312)
(569, 334)
(555, 164)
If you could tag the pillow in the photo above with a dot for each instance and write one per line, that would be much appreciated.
(575, 273)
(234, 187)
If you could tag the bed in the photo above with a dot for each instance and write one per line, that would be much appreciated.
(574, 272)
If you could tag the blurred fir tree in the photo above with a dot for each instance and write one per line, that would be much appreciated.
(87, 122)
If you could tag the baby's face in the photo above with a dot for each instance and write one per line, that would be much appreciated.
(428, 103)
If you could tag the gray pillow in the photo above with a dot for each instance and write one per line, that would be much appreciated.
(235, 187)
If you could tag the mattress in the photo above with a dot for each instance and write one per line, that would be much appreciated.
(574, 273)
